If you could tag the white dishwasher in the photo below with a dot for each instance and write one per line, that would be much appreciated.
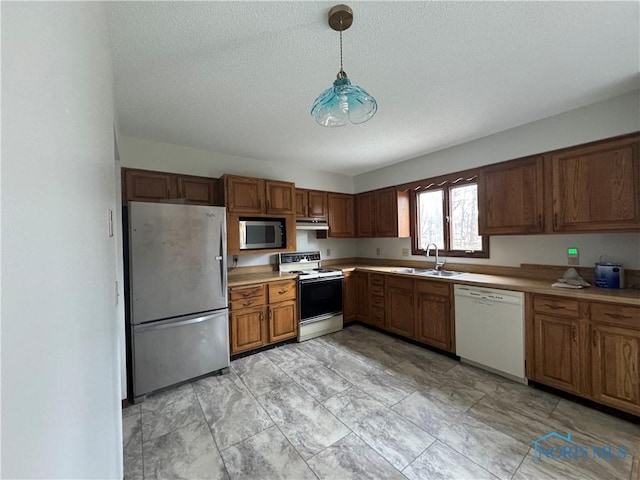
(490, 329)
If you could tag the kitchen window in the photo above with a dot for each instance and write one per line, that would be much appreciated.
(445, 212)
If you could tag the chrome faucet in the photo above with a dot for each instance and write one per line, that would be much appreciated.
(439, 264)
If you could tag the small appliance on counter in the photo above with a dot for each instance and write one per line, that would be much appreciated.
(609, 275)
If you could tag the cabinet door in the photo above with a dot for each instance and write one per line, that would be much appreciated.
(399, 311)
(510, 197)
(386, 213)
(557, 359)
(283, 321)
(146, 186)
(362, 295)
(349, 298)
(247, 329)
(301, 203)
(616, 367)
(340, 215)
(316, 204)
(244, 194)
(197, 190)
(597, 188)
(281, 197)
(433, 320)
(365, 215)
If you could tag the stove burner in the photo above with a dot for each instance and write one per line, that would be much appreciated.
(324, 270)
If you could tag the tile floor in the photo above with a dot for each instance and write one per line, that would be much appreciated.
(361, 404)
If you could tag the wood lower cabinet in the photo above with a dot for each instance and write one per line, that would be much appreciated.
(283, 321)
(248, 330)
(340, 215)
(433, 319)
(596, 187)
(399, 306)
(376, 300)
(588, 348)
(362, 296)
(557, 357)
(511, 196)
(349, 298)
(261, 314)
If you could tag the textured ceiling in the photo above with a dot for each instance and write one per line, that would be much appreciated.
(240, 77)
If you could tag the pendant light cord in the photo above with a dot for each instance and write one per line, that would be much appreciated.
(341, 74)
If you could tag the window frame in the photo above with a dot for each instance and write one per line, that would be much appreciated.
(444, 183)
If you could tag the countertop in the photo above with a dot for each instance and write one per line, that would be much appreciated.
(625, 296)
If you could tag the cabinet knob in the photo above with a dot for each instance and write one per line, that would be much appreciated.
(575, 334)
(270, 314)
(283, 291)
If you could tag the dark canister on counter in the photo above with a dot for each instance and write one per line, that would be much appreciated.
(609, 275)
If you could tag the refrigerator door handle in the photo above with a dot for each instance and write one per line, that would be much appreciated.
(223, 257)
(169, 324)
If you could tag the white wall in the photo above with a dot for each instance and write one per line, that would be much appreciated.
(511, 251)
(60, 366)
(306, 241)
(613, 117)
(166, 157)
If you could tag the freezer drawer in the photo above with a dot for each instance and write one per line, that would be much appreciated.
(172, 351)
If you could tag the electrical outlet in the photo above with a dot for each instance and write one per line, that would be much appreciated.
(328, 252)
(405, 252)
(377, 250)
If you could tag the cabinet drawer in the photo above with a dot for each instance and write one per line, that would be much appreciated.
(281, 291)
(376, 317)
(400, 282)
(377, 290)
(626, 316)
(556, 306)
(435, 288)
(377, 279)
(248, 303)
(248, 291)
(376, 302)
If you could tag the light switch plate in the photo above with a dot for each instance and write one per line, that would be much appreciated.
(377, 250)
(573, 256)
(405, 252)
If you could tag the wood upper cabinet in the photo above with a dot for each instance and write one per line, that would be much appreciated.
(197, 190)
(147, 186)
(283, 321)
(433, 314)
(311, 204)
(280, 197)
(382, 213)
(557, 355)
(244, 194)
(258, 196)
(301, 203)
(596, 187)
(365, 215)
(340, 215)
(391, 213)
(511, 197)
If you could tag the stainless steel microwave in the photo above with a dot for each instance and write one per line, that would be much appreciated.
(258, 234)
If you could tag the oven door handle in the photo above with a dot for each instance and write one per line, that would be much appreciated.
(320, 279)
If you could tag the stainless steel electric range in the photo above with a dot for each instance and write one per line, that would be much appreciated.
(319, 293)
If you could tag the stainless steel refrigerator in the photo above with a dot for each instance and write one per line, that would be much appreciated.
(178, 293)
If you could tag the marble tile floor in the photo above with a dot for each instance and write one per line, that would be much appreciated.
(359, 404)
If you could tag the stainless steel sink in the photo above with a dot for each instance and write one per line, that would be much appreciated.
(414, 271)
(441, 273)
(428, 272)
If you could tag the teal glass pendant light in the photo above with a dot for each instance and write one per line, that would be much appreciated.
(343, 103)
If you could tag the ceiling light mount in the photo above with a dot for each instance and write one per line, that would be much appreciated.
(340, 18)
(343, 102)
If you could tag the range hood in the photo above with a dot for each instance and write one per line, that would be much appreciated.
(310, 224)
